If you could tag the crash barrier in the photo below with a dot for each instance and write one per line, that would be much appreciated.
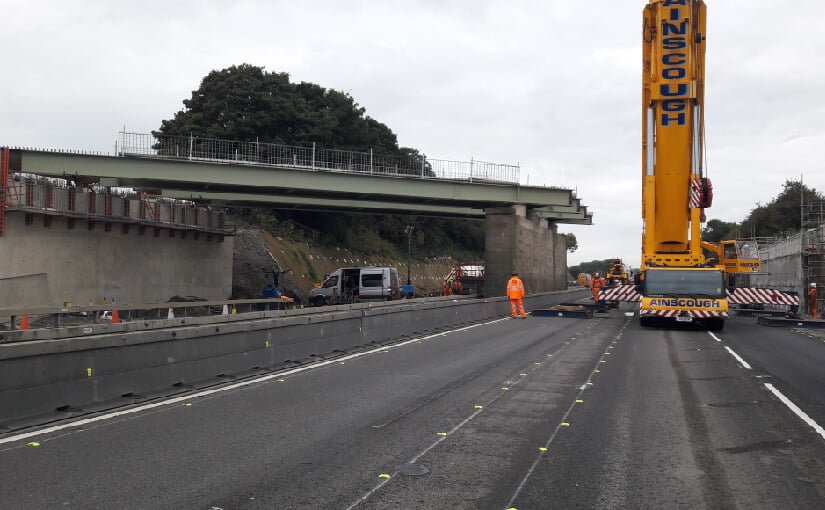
(39, 378)
(55, 316)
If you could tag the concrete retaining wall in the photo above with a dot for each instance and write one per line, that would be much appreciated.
(83, 266)
(783, 262)
(38, 377)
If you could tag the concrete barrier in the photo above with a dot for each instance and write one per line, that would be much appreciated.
(41, 377)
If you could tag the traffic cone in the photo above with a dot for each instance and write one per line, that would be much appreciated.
(171, 314)
(225, 310)
(115, 317)
(24, 323)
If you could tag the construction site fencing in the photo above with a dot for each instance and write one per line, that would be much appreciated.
(313, 158)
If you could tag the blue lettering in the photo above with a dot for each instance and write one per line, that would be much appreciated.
(678, 119)
(674, 105)
(674, 59)
(674, 73)
(673, 29)
(667, 91)
(674, 43)
(668, 3)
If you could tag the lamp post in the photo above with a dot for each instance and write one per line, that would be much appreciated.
(409, 230)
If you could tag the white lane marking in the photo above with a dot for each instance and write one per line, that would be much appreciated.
(561, 424)
(796, 410)
(467, 420)
(738, 358)
(714, 337)
(241, 384)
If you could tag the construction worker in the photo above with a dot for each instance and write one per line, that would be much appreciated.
(812, 300)
(597, 284)
(515, 292)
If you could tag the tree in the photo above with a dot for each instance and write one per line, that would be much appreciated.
(572, 242)
(772, 219)
(247, 103)
(594, 266)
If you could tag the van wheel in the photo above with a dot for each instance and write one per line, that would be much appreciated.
(319, 301)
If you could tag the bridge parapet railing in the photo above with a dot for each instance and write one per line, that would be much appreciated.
(313, 158)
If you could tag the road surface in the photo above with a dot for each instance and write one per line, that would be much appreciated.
(527, 414)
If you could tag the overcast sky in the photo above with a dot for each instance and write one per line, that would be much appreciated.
(553, 85)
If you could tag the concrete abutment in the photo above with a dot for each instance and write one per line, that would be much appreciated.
(531, 246)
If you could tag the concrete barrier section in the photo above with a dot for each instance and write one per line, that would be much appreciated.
(41, 377)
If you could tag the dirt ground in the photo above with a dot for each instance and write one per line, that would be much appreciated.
(257, 251)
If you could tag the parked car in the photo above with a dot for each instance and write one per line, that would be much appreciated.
(352, 284)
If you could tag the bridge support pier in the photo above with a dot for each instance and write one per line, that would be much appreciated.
(514, 241)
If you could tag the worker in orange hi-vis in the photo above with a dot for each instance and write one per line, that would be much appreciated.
(515, 292)
(812, 300)
(597, 284)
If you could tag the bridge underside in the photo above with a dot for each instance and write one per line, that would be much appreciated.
(288, 188)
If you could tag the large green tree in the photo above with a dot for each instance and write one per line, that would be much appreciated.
(248, 103)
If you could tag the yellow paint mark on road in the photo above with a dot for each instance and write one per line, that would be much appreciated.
(542, 449)
(478, 406)
(280, 380)
(186, 405)
(266, 344)
(523, 375)
(505, 388)
(88, 372)
(442, 434)
(384, 475)
(580, 401)
(565, 424)
(589, 383)
(598, 371)
(33, 444)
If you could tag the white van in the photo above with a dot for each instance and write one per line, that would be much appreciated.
(352, 284)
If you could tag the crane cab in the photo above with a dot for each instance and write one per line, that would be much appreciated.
(741, 256)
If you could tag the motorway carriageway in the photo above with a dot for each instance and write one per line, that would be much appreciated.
(527, 414)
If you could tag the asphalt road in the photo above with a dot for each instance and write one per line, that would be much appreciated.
(528, 414)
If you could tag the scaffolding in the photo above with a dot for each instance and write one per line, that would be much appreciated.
(813, 250)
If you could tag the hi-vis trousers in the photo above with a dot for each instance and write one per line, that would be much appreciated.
(518, 308)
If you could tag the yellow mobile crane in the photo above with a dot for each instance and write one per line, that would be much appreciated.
(676, 282)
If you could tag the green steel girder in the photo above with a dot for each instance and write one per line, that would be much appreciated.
(306, 188)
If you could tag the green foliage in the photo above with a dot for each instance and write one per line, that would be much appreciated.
(782, 214)
(572, 242)
(718, 230)
(601, 266)
(247, 103)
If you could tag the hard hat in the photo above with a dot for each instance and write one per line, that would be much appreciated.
(813, 285)
(597, 274)
(515, 273)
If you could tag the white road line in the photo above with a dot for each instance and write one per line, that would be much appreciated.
(738, 358)
(230, 387)
(796, 410)
(714, 337)
(456, 429)
(560, 425)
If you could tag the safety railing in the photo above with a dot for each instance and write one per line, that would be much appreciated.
(313, 158)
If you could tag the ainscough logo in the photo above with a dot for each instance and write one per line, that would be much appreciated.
(685, 303)
(674, 87)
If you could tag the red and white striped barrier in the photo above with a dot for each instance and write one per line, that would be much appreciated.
(743, 296)
(699, 314)
(626, 293)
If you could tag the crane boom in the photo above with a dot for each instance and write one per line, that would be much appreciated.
(672, 144)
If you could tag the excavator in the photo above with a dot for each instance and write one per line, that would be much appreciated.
(676, 281)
